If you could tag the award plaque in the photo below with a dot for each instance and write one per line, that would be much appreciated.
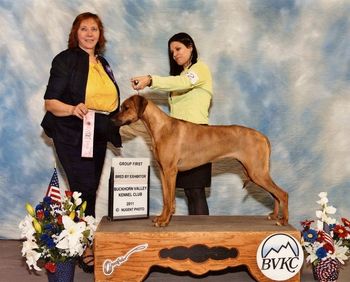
(128, 195)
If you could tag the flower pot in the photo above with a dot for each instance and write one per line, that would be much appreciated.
(64, 272)
(326, 270)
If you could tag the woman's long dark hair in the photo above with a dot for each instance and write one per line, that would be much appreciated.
(186, 40)
(73, 35)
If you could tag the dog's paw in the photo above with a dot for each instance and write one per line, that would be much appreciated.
(278, 223)
(281, 222)
(161, 223)
(272, 216)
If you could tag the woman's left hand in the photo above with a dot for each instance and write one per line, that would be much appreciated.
(140, 82)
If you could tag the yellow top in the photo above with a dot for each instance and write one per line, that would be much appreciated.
(101, 93)
(191, 92)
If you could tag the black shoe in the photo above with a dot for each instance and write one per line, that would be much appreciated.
(84, 263)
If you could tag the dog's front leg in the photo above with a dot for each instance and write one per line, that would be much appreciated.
(168, 179)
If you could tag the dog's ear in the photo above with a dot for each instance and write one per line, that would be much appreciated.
(141, 103)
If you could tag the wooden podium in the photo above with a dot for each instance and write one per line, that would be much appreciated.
(126, 250)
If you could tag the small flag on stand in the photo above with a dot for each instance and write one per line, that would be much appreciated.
(325, 235)
(53, 190)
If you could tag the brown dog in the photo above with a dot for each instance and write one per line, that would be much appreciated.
(179, 145)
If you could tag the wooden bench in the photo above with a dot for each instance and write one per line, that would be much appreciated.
(125, 250)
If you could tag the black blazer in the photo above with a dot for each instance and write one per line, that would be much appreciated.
(67, 83)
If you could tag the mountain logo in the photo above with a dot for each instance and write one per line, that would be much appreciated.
(280, 256)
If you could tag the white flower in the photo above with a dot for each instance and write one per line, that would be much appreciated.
(91, 226)
(76, 197)
(319, 225)
(331, 221)
(70, 238)
(91, 222)
(311, 250)
(340, 252)
(31, 255)
(330, 210)
(323, 216)
(26, 227)
(323, 200)
(319, 214)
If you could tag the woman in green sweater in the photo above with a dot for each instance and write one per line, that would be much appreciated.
(190, 92)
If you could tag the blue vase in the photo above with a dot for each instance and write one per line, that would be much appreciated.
(64, 272)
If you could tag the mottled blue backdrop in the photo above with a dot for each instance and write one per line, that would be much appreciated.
(282, 67)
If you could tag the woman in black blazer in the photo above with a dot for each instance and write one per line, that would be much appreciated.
(81, 80)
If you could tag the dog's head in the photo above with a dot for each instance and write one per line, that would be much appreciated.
(131, 110)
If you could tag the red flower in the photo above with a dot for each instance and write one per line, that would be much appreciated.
(320, 237)
(329, 248)
(50, 266)
(59, 220)
(340, 231)
(69, 194)
(306, 223)
(40, 214)
(345, 221)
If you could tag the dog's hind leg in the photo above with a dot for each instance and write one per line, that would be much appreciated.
(246, 178)
(280, 197)
(168, 179)
(258, 172)
(274, 214)
(256, 160)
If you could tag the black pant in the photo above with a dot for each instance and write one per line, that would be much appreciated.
(83, 174)
(194, 182)
(196, 201)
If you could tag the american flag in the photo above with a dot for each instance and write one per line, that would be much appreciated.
(53, 190)
(328, 240)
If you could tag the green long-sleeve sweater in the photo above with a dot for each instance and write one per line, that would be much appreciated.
(190, 92)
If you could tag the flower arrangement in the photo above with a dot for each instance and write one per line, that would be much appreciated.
(56, 231)
(329, 239)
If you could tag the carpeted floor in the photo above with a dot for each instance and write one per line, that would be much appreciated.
(13, 269)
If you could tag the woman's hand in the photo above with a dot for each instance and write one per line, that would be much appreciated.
(80, 110)
(140, 82)
(61, 109)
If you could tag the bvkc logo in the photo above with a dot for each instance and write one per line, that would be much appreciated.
(280, 257)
